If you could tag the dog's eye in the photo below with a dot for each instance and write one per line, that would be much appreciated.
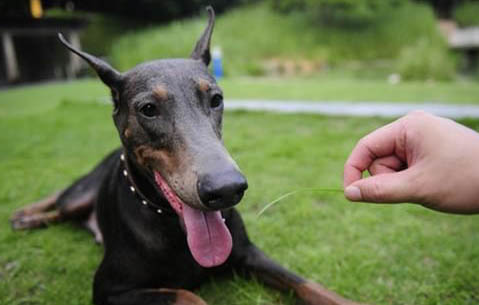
(149, 110)
(216, 101)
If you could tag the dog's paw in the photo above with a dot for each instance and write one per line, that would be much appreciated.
(17, 215)
(314, 294)
(19, 222)
(26, 221)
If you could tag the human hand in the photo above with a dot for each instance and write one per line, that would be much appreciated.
(419, 158)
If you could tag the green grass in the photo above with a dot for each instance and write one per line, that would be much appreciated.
(41, 98)
(403, 254)
(254, 34)
(326, 88)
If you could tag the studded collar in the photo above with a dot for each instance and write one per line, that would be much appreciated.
(138, 193)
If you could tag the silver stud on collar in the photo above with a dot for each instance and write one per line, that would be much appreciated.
(132, 188)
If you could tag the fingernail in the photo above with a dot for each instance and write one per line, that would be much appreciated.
(353, 193)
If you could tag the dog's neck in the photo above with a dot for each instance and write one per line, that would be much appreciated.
(146, 192)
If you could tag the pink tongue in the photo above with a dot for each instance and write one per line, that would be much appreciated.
(208, 237)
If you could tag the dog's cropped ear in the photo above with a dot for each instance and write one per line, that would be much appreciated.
(111, 77)
(202, 49)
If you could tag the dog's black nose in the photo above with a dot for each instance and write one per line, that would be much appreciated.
(221, 190)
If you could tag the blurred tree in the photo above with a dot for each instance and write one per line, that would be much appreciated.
(338, 11)
(10, 8)
(444, 8)
(347, 11)
(467, 14)
(155, 10)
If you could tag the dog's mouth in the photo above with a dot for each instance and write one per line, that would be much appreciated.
(208, 237)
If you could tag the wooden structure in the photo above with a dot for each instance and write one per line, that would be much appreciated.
(31, 52)
(464, 40)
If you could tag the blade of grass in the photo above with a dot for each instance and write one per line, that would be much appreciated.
(321, 190)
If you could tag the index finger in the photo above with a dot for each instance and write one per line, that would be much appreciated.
(380, 143)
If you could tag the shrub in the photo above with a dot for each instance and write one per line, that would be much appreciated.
(467, 14)
(339, 12)
(253, 35)
(101, 29)
(425, 61)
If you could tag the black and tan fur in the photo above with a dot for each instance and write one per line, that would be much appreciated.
(168, 114)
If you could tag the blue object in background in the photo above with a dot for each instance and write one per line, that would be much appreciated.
(217, 63)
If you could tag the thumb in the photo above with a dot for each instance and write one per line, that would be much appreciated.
(383, 188)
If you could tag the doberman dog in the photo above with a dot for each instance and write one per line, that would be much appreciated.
(162, 204)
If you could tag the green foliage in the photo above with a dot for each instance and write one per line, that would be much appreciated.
(252, 35)
(244, 49)
(148, 10)
(467, 14)
(400, 254)
(340, 12)
(14, 8)
(102, 29)
(425, 61)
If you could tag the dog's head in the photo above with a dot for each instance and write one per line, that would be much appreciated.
(169, 117)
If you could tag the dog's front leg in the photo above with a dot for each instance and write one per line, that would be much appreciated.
(249, 260)
(162, 296)
(256, 263)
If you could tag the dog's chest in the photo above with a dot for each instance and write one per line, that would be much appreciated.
(168, 259)
(183, 272)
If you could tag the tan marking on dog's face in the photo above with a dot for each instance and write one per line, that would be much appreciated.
(175, 168)
(203, 85)
(160, 92)
(157, 158)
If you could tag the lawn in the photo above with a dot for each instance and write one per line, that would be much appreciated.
(340, 88)
(376, 254)
(40, 98)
